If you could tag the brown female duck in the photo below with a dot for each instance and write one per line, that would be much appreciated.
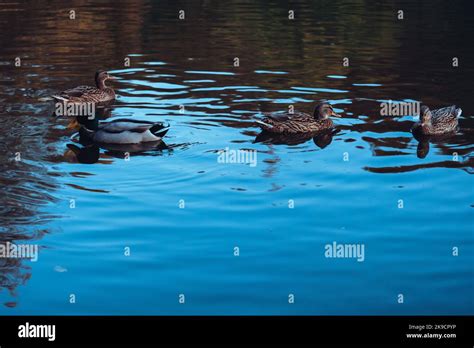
(88, 94)
(300, 122)
(435, 122)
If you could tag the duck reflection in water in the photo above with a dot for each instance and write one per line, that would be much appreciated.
(89, 152)
(424, 141)
(321, 139)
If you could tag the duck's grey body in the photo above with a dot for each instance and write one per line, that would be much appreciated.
(126, 131)
(436, 122)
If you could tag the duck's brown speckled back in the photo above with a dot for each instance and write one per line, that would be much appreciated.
(298, 122)
(440, 121)
(88, 94)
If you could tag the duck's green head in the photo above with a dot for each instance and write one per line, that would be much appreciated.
(101, 76)
(425, 115)
(323, 111)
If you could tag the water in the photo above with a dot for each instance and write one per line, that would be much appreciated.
(134, 205)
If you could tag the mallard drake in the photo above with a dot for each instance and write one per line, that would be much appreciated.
(433, 122)
(125, 131)
(88, 94)
(299, 122)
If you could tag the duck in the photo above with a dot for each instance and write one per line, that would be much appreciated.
(125, 131)
(436, 122)
(299, 122)
(88, 94)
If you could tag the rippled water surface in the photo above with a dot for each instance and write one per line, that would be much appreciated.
(181, 213)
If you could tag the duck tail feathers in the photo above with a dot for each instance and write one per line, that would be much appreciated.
(458, 112)
(159, 130)
(58, 97)
(263, 124)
